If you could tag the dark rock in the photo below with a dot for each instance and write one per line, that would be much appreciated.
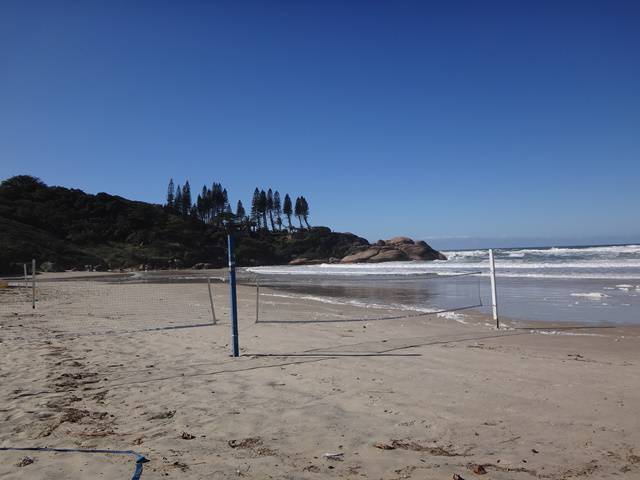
(25, 461)
(321, 230)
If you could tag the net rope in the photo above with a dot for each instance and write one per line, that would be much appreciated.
(78, 307)
(330, 310)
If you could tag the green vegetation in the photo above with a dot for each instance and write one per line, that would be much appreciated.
(72, 229)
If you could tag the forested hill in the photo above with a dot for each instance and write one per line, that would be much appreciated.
(67, 228)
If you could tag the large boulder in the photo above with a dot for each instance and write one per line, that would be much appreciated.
(418, 250)
(415, 252)
(360, 257)
(376, 254)
(399, 241)
(389, 255)
(393, 250)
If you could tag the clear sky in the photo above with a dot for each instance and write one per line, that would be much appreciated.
(451, 121)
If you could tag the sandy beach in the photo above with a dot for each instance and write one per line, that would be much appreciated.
(101, 366)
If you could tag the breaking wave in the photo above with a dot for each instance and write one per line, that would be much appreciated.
(606, 262)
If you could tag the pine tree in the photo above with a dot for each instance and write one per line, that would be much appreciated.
(199, 208)
(178, 201)
(212, 205)
(217, 201)
(170, 194)
(270, 208)
(286, 208)
(225, 201)
(304, 206)
(186, 199)
(255, 211)
(206, 203)
(298, 210)
(262, 208)
(240, 213)
(277, 209)
(203, 207)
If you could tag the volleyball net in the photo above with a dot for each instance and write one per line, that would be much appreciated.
(100, 306)
(342, 300)
(117, 304)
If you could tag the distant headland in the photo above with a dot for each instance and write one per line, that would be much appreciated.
(68, 229)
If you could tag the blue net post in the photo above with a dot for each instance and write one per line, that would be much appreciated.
(235, 349)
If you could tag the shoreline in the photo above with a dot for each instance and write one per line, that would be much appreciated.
(248, 278)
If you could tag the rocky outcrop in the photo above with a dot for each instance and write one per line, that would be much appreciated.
(393, 250)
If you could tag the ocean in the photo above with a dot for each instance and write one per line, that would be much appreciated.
(585, 285)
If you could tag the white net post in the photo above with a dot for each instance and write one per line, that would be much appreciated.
(257, 299)
(494, 294)
(33, 283)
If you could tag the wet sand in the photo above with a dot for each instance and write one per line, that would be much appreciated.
(96, 366)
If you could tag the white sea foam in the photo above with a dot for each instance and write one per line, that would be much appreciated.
(575, 334)
(571, 276)
(549, 252)
(453, 254)
(388, 268)
(576, 251)
(331, 301)
(591, 295)
(457, 316)
(436, 266)
(620, 263)
(441, 269)
(521, 264)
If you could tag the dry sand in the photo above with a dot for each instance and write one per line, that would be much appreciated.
(423, 397)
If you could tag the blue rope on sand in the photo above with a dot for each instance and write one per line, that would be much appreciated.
(140, 459)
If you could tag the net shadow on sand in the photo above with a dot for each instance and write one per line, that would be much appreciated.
(387, 347)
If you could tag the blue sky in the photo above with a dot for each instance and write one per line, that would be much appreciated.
(459, 122)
